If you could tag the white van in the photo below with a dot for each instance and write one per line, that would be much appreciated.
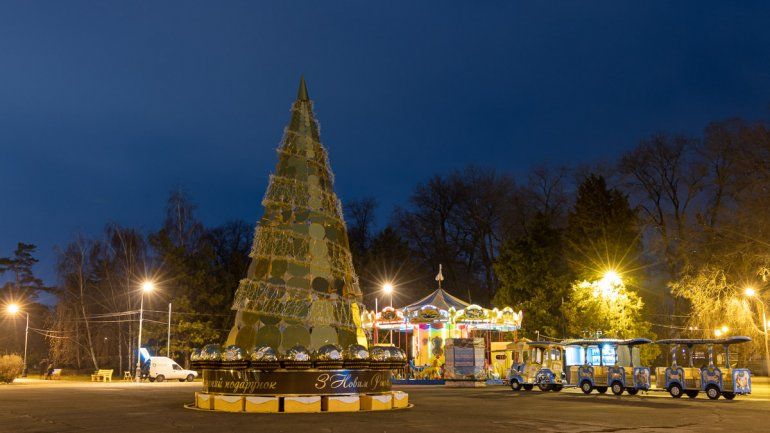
(162, 368)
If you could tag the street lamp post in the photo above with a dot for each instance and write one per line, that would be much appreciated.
(147, 286)
(388, 289)
(14, 309)
(751, 293)
(168, 335)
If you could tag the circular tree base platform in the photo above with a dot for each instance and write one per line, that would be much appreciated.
(238, 403)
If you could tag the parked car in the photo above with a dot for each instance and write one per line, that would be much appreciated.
(162, 368)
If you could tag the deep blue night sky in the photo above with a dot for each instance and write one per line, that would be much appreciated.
(105, 106)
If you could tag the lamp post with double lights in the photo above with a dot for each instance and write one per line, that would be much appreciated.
(15, 309)
(721, 331)
(147, 287)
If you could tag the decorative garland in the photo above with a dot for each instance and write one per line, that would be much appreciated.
(268, 299)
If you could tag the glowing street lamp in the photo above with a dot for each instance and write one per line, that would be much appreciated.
(608, 285)
(14, 309)
(388, 289)
(717, 333)
(751, 293)
(147, 287)
(612, 277)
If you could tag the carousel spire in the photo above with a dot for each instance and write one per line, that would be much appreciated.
(440, 276)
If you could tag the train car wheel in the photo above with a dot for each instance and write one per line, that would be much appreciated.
(557, 388)
(515, 385)
(617, 388)
(632, 391)
(586, 387)
(712, 392)
(527, 387)
(675, 390)
(601, 389)
(728, 395)
(692, 394)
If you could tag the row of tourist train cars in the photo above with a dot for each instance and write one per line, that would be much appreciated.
(697, 365)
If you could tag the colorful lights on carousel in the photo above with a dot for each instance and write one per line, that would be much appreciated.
(428, 323)
(473, 317)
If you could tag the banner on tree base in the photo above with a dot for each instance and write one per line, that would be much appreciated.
(316, 382)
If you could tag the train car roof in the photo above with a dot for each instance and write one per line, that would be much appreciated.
(544, 343)
(598, 341)
(689, 341)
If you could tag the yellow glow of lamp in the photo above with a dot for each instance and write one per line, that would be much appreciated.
(612, 277)
(148, 286)
(718, 332)
(387, 288)
(749, 291)
(725, 329)
(608, 285)
(13, 308)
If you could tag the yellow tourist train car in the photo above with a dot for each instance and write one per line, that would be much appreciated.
(542, 365)
(708, 377)
(604, 363)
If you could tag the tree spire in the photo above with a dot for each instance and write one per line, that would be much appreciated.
(302, 92)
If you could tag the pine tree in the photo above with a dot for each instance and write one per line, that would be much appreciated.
(603, 250)
(24, 285)
(602, 232)
(534, 276)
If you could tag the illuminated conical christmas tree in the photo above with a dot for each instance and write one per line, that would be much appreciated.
(301, 287)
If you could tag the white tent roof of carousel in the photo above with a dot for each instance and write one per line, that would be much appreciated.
(439, 299)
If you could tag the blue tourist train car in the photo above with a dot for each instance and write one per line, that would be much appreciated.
(691, 379)
(542, 366)
(604, 363)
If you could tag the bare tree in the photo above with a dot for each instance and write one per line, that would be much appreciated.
(75, 268)
(458, 220)
(666, 178)
(183, 229)
(483, 214)
(123, 267)
(360, 217)
(547, 189)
